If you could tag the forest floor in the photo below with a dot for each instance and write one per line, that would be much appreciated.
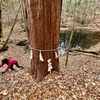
(80, 80)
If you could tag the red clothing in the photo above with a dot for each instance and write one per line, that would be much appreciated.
(11, 62)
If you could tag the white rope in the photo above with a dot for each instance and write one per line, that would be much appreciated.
(41, 57)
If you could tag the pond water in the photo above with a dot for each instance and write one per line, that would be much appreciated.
(80, 40)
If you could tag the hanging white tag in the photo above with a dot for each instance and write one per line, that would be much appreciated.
(50, 68)
(56, 55)
(40, 57)
(49, 65)
(31, 54)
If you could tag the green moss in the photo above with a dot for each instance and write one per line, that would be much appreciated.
(1, 46)
(23, 26)
(9, 24)
(10, 41)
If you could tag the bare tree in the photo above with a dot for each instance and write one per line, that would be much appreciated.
(43, 21)
(0, 20)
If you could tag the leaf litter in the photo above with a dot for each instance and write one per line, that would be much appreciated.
(79, 81)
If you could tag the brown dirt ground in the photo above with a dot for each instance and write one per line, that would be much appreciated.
(79, 81)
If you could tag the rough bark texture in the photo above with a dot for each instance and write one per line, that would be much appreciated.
(43, 20)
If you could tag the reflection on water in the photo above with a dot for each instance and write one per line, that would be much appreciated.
(79, 40)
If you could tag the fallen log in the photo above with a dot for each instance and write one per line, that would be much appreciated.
(22, 42)
(3, 49)
(96, 52)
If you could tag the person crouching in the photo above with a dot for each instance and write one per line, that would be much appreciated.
(10, 62)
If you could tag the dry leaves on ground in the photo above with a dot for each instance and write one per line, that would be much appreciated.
(79, 81)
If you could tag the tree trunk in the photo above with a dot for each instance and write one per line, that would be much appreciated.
(43, 21)
(0, 21)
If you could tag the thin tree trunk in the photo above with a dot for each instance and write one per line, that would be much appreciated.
(0, 21)
(72, 33)
(43, 19)
(11, 28)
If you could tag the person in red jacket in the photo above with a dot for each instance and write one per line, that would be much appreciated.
(10, 62)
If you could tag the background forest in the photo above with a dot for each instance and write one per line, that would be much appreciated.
(80, 80)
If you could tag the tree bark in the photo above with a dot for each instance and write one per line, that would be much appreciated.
(0, 22)
(43, 22)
